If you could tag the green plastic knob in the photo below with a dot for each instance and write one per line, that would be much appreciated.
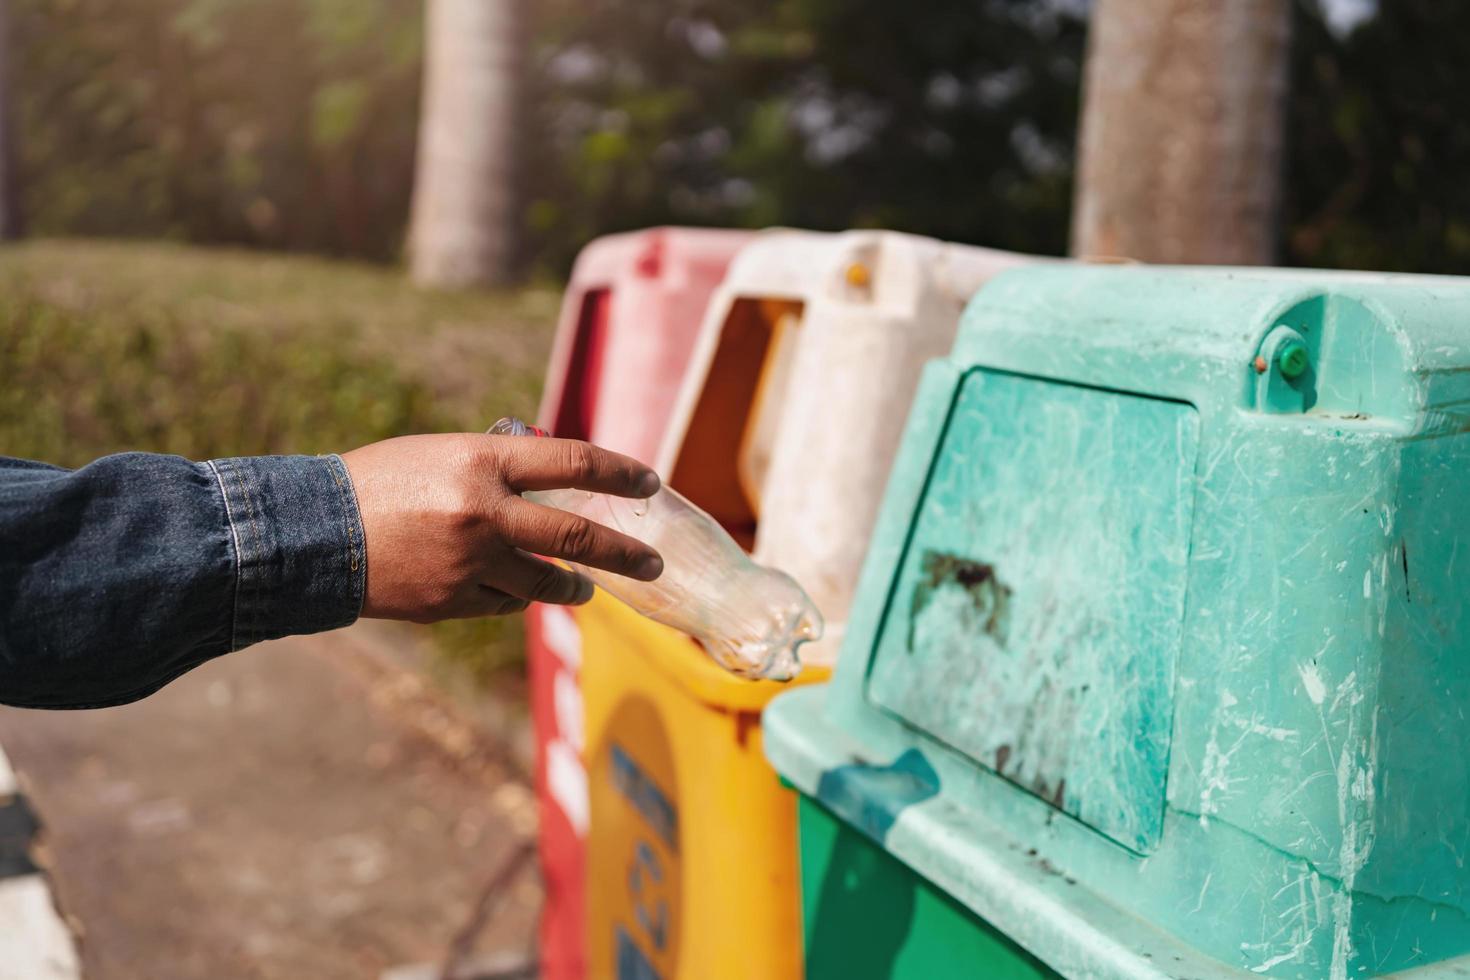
(1292, 359)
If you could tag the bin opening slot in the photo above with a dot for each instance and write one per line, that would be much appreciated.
(576, 412)
(726, 449)
(767, 407)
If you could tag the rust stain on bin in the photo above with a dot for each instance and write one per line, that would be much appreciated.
(991, 597)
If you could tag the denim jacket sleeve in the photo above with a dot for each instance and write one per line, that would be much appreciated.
(120, 576)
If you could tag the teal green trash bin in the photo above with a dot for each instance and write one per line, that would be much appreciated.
(1160, 661)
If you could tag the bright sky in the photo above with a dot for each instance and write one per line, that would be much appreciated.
(1343, 15)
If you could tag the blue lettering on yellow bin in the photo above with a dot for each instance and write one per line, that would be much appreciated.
(645, 796)
(631, 963)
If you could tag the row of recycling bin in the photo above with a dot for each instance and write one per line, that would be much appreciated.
(1143, 580)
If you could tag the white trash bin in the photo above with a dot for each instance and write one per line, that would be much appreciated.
(791, 409)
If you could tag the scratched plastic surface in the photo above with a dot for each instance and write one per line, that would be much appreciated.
(1058, 612)
(1225, 602)
(750, 619)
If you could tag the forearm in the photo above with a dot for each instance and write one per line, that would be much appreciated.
(122, 575)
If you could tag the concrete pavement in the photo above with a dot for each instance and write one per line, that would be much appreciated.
(292, 810)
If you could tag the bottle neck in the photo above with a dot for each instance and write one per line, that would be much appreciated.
(512, 426)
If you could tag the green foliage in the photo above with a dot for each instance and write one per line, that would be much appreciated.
(952, 118)
(278, 123)
(1378, 138)
(291, 123)
(485, 650)
(107, 347)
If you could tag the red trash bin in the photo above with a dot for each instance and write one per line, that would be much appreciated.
(627, 328)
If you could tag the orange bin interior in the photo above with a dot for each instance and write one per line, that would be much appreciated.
(736, 417)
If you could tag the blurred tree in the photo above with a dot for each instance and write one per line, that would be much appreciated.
(278, 123)
(464, 185)
(1380, 139)
(952, 118)
(291, 123)
(10, 218)
(1182, 131)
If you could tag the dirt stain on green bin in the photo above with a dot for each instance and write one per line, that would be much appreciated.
(990, 597)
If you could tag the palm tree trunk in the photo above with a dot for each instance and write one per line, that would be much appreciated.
(463, 200)
(1181, 142)
(10, 218)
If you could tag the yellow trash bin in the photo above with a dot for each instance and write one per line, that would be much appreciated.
(691, 847)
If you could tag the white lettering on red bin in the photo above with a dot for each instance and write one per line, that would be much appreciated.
(566, 774)
(566, 778)
(562, 637)
(566, 695)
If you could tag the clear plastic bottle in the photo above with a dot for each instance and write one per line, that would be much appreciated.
(749, 619)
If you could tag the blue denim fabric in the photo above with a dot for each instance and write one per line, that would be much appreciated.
(118, 577)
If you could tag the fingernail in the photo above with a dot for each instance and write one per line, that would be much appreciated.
(584, 592)
(650, 568)
(648, 486)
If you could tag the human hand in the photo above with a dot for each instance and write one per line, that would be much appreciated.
(448, 535)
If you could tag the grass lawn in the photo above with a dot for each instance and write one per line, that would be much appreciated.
(109, 346)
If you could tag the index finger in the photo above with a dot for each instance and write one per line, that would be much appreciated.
(555, 464)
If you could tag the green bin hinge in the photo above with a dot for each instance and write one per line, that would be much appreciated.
(1292, 359)
(1285, 381)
